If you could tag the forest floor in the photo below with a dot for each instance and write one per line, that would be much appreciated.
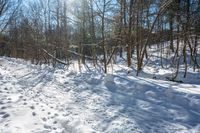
(42, 99)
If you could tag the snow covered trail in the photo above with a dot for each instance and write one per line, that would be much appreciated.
(41, 99)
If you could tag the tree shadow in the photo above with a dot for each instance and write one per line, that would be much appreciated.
(144, 106)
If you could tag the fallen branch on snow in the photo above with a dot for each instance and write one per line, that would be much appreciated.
(56, 59)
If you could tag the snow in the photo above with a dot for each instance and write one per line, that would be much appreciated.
(42, 99)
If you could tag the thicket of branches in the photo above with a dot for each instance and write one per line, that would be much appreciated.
(58, 31)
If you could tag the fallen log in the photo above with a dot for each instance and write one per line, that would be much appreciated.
(81, 55)
(56, 59)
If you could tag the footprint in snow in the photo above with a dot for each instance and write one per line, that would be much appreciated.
(47, 126)
(33, 113)
(56, 114)
(3, 107)
(9, 99)
(20, 97)
(49, 113)
(1, 102)
(4, 115)
(25, 103)
(32, 107)
(6, 125)
(44, 119)
(65, 115)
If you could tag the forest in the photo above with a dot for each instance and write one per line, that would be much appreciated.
(98, 30)
(99, 66)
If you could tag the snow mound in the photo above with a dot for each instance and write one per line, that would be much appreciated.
(78, 127)
(150, 94)
(93, 81)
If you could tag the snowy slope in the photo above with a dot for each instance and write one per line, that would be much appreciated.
(41, 99)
